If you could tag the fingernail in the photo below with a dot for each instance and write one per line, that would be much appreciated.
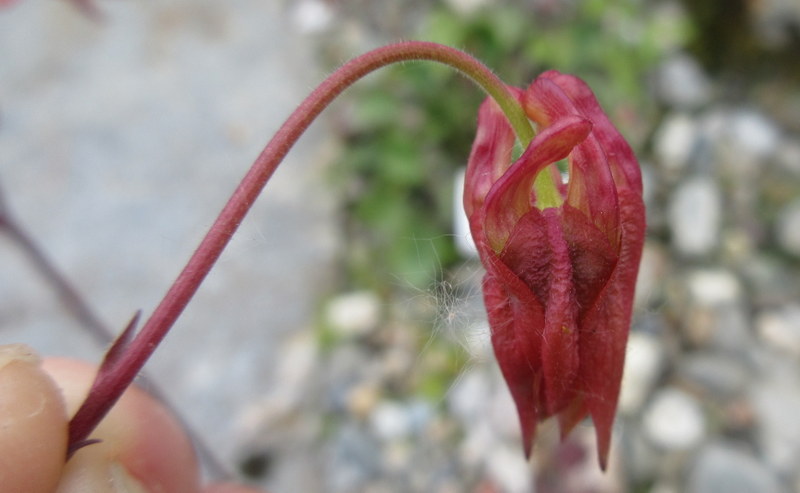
(122, 481)
(17, 352)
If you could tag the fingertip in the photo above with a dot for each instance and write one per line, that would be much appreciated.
(33, 423)
(141, 442)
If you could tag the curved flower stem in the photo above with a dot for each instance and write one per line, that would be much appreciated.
(119, 369)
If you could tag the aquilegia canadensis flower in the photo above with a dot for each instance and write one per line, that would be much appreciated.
(561, 261)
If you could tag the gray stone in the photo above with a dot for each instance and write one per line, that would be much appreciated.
(466, 399)
(724, 468)
(467, 7)
(650, 183)
(652, 269)
(295, 369)
(769, 282)
(753, 133)
(713, 124)
(776, 400)
(640, 457)
(347, 370)
(674, 420)
(776, 21)
(780, 328)
(721, 375)
(675, 141)
(355, 459)
(502, 411)
(787, 228)
(732, 329)
(787, 156)
(391, 420)
(682, 82)
(480, 400)
(695, 214)
(665, 486)
(509, 469)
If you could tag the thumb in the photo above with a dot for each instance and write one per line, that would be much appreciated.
(33, 424)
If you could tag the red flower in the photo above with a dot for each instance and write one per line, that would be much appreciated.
(560, 270)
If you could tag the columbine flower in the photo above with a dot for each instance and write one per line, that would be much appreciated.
(561, 259)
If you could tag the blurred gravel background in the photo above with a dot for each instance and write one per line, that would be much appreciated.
(120, 140)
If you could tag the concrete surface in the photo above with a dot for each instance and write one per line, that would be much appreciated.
(119, 142)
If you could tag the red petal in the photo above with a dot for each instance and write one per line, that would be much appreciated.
(604, 328)
(548, 274)
(591, 187)
(490, 155)
(624, 165)
(513, 312)
(593, 257)
(511, 196)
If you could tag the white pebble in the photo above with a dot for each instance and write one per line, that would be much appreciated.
(312, 16)
(674, 420)
(695, 214)
(675, 141)
(753, 133)
(466, 7)
(781, 328)
(390, 420)
(509, 469)
(643, 364)
(467, 397)
(683, 83)
(714, 287)
(354, 314)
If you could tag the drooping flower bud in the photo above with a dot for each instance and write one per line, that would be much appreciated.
(560, 274)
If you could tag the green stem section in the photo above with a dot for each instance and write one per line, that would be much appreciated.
(120, 368)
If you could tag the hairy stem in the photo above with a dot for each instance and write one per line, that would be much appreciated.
(117, 372)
